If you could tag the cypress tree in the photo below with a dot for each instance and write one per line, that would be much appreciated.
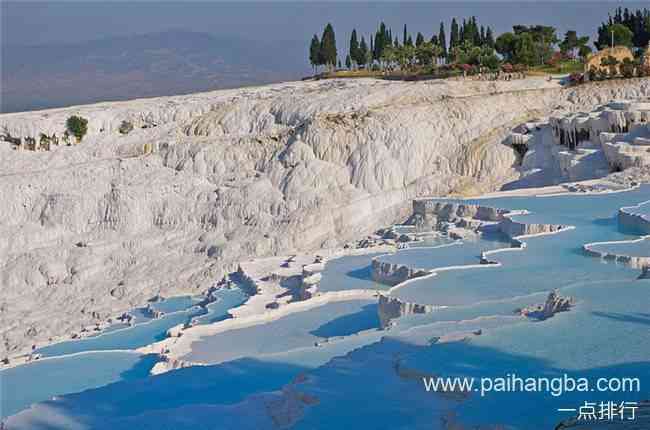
(348, 61)
(363, 52)
(419, 39)
(489, 38)
(454, 38)
(381, 41)
(476, 35)
(462, 33)
(328, 46)
(442, 40)
(314, 52)
(354, 47)
(482, 36)
(405, 37)
(409, 41)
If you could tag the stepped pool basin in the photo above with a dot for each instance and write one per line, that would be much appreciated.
(103, 358)
(180, 310)
(41, 380)
(329, 366)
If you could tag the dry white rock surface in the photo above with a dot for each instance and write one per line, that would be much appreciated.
(207, 180)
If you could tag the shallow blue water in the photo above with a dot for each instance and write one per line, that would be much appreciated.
(298, 330)
(376, 383)
(349, 273)
(41, 380)
(126, 338)
(181, 310)
(218, 310)
(457, 253)
(96, 357)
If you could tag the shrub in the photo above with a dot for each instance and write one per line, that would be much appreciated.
(644, 70)
(520, 68)
(126, 127)
(77, 126)
(627, 68)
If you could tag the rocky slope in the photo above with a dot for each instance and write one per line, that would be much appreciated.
(205, 180)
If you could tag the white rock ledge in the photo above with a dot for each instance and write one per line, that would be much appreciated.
(630, 219)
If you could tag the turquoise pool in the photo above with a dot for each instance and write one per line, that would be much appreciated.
(366, 378)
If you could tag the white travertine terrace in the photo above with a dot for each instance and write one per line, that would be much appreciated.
(205, 181)
(621, 129)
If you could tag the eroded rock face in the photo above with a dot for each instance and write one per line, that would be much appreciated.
(554, 304)
(206, 180)
(393, 274)
(514, 228)
(452, 212)
(391, 307)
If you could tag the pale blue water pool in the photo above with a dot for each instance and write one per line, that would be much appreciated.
(349, 273)
(297, 330)
(41, 380)
(373, 379)
(180, 310)
(458, 253)
(105, 357)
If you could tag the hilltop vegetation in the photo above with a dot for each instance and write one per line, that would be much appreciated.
(472, 48)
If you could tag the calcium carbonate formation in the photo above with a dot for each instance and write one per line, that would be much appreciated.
(620, 129)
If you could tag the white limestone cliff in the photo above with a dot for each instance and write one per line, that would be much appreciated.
(206, 180)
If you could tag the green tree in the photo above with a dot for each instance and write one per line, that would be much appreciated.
(382, 40)
(454, 38)
(442, 40)
(573, 46)
(570, 42)
(362, 53)
(348, 62)
(328, 52)
(427, 53)
(584, 51)
(419, 39)
(390, 56)
(314, 53)
(406, 56)
(77, 126)
(638, 22)
(505, 45)
(543, 39)
(525, 52)
(353, 52)
(622, 35)
(489, 38)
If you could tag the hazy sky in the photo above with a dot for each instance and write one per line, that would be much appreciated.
(28, 23)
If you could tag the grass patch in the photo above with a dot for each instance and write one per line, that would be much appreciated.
(564, 67)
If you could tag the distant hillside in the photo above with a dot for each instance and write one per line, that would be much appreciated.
(172, 62)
